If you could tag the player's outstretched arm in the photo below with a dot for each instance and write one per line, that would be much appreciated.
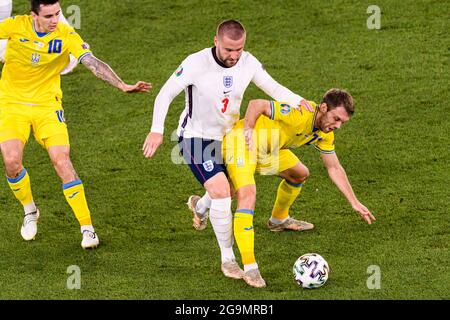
(339, 177)
(103, 71)
(162, 102)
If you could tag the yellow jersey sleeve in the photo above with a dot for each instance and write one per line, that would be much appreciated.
(290, 116)
(6, 28)
(325, 143)
(76, 46)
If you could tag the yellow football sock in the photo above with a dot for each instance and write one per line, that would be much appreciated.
(286, 195)
(75, 196)
(21, 187)
(245, 235)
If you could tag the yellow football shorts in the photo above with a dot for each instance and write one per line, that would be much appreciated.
(47, 123)
(241, 163)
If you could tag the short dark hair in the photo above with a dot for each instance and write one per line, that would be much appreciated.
(233, 29)
(336, 98)
(36, 4)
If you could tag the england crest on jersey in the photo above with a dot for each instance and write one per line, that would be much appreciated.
(227, 81)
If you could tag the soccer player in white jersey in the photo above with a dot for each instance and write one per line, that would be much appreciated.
(5, 9)
(214, 80)
(5, 12)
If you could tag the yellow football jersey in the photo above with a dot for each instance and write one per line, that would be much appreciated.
(31, 73)
(291, 128)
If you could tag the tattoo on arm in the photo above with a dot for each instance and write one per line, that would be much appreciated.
(102, 70)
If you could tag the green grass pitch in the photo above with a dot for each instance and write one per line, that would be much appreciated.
(395, 151)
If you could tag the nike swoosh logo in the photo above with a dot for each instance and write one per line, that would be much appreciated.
(24, 40)
(15, 190)
(73, 195)
(248, 229)
(225, 92)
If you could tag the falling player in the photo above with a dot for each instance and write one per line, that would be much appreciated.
(270, 129)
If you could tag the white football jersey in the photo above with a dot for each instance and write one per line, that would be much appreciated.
(214, 93)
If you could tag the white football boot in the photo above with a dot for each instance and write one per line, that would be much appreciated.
(90, 238)
(29, 226)
(199, 221)
(254, 279)
(232, 270)
(290, 224)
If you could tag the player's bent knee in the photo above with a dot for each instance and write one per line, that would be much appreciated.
(218, 187)
(246, 197)
(218, 192)
(304, 172)
(298, 179)
(300, 176)
(13, 164)
(62, 164)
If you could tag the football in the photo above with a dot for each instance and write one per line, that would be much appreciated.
(311, 271)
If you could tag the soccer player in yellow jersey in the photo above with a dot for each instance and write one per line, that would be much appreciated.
(261, 142)
(31, 99)
(5, 12)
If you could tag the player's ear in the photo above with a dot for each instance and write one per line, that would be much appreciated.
(216, 41)
(323, 107)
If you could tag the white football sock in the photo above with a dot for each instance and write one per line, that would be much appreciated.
(203, 204)
(88, 228)
(277, 221)
(29, 208)
(221, 220)
(251, 266)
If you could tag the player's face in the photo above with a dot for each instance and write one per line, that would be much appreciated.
(333, 119)
(229, 51)
(48, 17)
